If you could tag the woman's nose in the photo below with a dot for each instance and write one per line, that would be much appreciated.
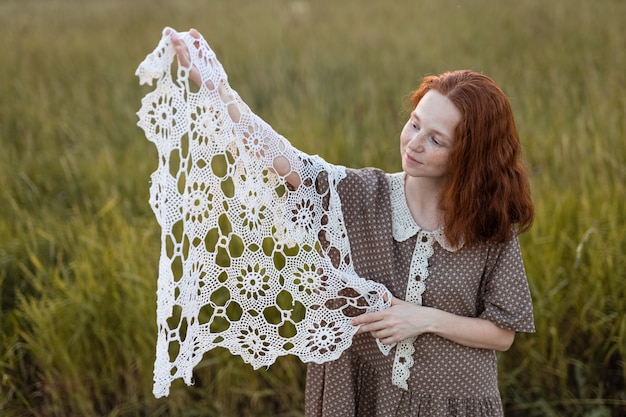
(416, 143)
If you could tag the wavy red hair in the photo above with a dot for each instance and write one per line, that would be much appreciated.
(486, 196)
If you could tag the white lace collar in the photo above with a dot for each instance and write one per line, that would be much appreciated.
(402, 221)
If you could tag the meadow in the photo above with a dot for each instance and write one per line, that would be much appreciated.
(79, 244)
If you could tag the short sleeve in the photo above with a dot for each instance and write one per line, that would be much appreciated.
(506, 299)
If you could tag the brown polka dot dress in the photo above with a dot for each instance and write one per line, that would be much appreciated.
(445, 378)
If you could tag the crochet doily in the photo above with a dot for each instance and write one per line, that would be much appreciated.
(247, 262)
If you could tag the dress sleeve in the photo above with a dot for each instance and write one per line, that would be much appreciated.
(505, 293)
(247, 262)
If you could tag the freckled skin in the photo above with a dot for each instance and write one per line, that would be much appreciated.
(428, 136)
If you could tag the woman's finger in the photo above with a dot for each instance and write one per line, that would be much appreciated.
(366, 318)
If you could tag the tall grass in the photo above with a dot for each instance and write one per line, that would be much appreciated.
(79, 245)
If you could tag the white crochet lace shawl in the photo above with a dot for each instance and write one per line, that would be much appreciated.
(246, 263)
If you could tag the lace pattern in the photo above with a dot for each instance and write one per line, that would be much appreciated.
(404, 227)
(246, 263)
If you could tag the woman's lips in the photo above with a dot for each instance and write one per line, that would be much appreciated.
(411, 160)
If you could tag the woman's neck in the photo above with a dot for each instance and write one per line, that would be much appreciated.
(422, 198)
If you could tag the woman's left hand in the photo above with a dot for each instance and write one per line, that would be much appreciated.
(402, 320)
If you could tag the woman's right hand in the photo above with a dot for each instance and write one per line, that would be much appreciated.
(183, 54)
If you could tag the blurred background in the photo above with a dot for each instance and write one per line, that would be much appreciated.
(79, 244)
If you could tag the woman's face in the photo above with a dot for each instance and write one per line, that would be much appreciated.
(427, 138)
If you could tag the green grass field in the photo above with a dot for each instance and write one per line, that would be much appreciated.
(79, 244)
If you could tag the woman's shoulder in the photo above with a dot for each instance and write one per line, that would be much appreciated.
(366, 181)
(364, 187)
(373, 176)
(366, 173)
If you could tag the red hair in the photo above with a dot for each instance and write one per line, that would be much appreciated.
(486, 195)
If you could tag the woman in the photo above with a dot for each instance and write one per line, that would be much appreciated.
(454, 210)
(441, 236)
